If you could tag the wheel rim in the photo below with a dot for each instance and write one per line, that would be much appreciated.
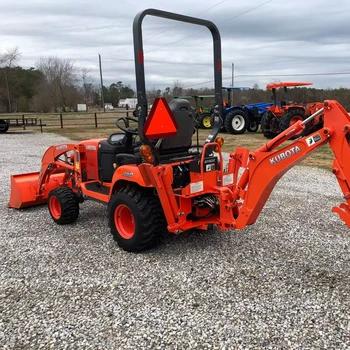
(253, 125)
(295, 119)
(238, 122)
(124, 221)
(207, 122)
(55, 207)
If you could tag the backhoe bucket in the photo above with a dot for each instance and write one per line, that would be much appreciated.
(25, 189)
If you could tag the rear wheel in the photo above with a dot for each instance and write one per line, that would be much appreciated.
(269, 125)
(236, 122)
(205, 121)
(136, 219)
(291, 117)
(63, 205)
(4, 126)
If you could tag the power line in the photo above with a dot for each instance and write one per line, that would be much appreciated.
(204, 82)
(176, 25)
(166, 30)
(292, 75)
(188, 36)
(130, 45)
(202, 30)
(273, 75)
(249, 10)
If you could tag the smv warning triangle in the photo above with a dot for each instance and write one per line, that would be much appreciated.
(160, 122)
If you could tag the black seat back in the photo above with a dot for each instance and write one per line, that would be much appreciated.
(184, 116)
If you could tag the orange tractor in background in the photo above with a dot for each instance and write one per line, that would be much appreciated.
(153, 179)
(283, 114)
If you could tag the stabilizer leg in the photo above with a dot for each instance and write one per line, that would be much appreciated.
(344, 213)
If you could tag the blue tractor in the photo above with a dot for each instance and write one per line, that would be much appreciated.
(238, 119)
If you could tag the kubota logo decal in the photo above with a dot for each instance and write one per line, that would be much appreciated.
(128, 174)
(284, 155)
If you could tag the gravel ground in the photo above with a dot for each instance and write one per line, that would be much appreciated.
(282, 283)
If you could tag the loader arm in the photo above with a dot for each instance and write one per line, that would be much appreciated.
(33, 188)
(50, 163)
(264, 167)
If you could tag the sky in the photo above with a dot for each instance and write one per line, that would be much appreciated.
(266, 40)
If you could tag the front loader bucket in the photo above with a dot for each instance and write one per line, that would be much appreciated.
(25, 189)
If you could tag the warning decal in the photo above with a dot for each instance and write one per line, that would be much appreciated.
(196, 186)
(313, 139)
(227, 179)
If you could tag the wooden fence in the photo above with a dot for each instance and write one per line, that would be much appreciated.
(65, 120)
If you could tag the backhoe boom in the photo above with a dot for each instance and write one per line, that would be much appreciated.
(264, 167)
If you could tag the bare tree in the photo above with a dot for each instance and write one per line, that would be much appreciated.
(87, 88)
(178, 88)
(154, 93)
(10, 57)
(61, 81)
(7, 59)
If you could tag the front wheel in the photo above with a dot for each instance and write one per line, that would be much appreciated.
(291, 117)
(4, 125)
(63, 205)
(236, 122)
(269, 125)
(253, 126)
(205, 121)
(136, 218)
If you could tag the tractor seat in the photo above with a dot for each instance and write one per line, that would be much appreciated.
(108, 149)
(175, 147)
(179, 144)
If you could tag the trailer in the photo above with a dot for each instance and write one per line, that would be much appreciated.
(20, 122)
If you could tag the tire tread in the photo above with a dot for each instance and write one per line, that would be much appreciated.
(69, 205)
(151, 222)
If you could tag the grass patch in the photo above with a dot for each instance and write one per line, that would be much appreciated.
(81, 126)
(86, 133)
(322, 158)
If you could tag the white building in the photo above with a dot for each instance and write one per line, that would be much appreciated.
(81, 107)
(131, 102)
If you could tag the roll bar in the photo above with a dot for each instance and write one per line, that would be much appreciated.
(142, 105)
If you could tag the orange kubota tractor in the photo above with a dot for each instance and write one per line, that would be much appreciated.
(283, 114)
(165, 183)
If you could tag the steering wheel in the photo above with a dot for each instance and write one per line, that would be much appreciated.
(126, 128)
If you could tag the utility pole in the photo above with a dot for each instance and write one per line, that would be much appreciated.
(232, 82)
(102, 98)
(233, 74)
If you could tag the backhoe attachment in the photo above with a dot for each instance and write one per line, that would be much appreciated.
(264, 167)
